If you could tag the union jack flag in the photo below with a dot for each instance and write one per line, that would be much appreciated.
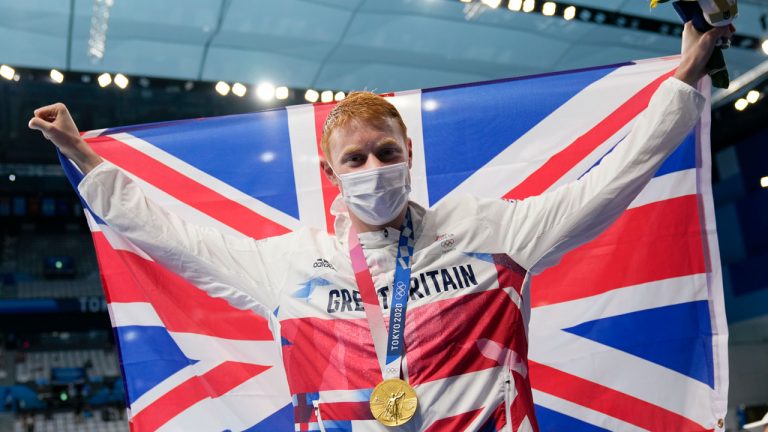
(629, 335)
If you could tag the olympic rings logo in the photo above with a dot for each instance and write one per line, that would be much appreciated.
(448, 243)
(400, 289)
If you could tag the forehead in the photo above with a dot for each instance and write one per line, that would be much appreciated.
(360, 133)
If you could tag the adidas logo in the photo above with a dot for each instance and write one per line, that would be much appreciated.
(320, 262)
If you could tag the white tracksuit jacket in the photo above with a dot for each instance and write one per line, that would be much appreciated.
(465, 334)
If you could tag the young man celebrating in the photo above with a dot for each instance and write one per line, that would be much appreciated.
(451, 280)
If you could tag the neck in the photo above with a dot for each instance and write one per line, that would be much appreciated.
(362, 227)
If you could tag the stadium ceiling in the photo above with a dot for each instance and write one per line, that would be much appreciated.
(381, 45)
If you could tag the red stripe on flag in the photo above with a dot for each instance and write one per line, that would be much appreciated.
(559, 164)
(120, 284)
(185, 189)
(329, 189)
(346, 411)
(213, 384)
(607, 400)
(182, 307)
(648, 243)
(454, 423)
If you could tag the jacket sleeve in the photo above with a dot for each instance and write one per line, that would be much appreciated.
(223, 266)
(538, 231)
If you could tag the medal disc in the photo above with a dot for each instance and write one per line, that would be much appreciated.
(393, 402)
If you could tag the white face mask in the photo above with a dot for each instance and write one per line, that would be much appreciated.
(377, 196)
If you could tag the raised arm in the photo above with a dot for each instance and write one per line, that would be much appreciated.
(57, 126)
(223, 266)
(541, 229)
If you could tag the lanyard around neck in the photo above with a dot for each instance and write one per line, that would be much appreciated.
(389, 353)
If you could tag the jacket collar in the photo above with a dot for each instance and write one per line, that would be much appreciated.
(371, 239)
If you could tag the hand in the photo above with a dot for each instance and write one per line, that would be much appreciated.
(697, 48)
(58, 127)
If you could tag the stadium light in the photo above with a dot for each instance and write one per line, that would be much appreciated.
(104, 79)
(493, 4)
(121, 81)
(222, 88)
(12, 177)
(753, 96)
(430, 105)
(311, 96)
(7, 72)
(267, 156)
(569, 13)
(326, 96)
(57, 76)
(281, 93)
(239, 90)
(765, 46)
(515, 5)
(466, 1)
(265, 91)
(339, 96)
(764, 182)
(97, 40)
(548, 9)
(529, 5)
(740, 104)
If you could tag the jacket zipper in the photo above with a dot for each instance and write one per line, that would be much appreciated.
(508, 399)
(320, 424)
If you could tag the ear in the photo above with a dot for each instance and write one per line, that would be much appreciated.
(409, 145)
(328, 171)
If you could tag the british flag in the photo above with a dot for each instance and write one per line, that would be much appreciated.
(629, 335)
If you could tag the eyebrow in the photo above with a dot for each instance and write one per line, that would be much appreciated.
(388, 141)
(349, 150)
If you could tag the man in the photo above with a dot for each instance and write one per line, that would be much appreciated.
(464, 261)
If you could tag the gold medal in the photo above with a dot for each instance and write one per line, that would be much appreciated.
(393, 402)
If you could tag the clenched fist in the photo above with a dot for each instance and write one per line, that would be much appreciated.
(58, 127)
(697, 48)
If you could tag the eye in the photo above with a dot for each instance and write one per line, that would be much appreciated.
(354, 159)
(388, 153)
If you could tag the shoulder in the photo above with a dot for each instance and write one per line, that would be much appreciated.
(475, 223)
(302, 235)
(470, 206)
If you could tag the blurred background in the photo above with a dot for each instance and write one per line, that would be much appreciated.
(120, 62)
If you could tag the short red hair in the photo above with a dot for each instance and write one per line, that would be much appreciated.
(358, 106)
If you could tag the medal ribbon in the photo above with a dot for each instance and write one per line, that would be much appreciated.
(390, 356)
